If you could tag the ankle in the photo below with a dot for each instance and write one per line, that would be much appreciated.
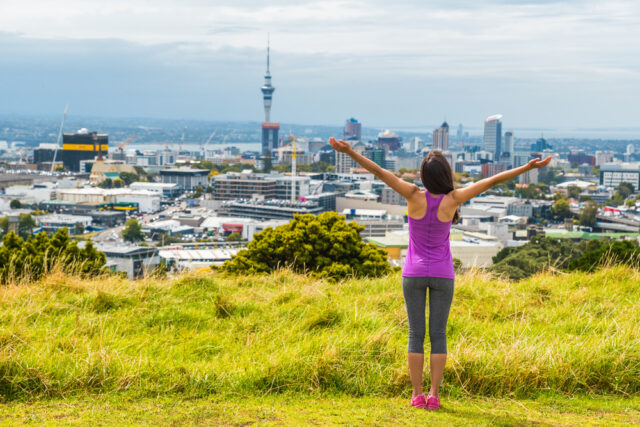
(417, 392)
(434, 394)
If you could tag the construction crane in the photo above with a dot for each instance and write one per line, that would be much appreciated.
(293, 170)
(55, 152)
(122, 145)
(206, 144)
(184, 131)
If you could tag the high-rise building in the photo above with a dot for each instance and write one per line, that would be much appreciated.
(83, 145)
(540, 145)
(460, 133)
(376, 155)
(353, 129)
(388, 140)
(441, 138)
(493, 135)
(269, 129)
(508, 142)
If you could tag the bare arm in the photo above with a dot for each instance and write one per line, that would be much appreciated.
(405, 189)
(461, 195)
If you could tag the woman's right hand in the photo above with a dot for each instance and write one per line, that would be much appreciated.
(339, 145)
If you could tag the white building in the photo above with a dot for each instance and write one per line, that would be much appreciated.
(603, 157)
(136, 261)
(148, 201)
(188, 259)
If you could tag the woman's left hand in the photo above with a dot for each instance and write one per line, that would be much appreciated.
(537, 163)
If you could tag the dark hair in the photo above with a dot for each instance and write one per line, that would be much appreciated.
(436, 176)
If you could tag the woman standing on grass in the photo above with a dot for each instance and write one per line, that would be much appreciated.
(428, 263)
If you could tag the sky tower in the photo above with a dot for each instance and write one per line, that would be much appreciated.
(269, 129)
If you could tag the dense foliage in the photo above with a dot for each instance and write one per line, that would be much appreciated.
(324, 245)
(30, 259)
(132, 231)
(542, 253)
(25, 225)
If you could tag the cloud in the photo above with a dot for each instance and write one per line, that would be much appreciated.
(170, 57)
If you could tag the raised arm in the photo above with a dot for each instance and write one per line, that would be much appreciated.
(405, 189)
(461, 195)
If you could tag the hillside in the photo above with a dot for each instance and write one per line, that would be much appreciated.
(206, 333)
(203, 335)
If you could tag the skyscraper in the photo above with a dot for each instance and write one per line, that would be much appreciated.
(353, 129)
(493, 136)
(269, 129)
(508, 142)
(441, 138)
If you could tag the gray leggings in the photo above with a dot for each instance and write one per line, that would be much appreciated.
(415, 296)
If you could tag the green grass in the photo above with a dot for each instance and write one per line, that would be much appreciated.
(198, 339)
(290, 409)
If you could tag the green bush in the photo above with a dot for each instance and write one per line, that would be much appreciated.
(542, 253)
(324, 246)
(30, 259)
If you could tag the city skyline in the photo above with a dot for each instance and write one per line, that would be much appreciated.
(549, 64)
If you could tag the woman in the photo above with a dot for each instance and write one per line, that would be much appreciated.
(428, 263)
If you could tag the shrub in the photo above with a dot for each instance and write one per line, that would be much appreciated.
(324, 245)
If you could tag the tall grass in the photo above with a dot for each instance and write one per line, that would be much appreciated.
(208, 333)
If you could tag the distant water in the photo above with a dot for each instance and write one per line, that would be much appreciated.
(243, 146)
(610, 134)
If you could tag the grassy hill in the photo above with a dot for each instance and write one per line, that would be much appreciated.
(203, 335)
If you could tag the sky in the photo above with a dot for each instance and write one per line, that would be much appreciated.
(407, 63)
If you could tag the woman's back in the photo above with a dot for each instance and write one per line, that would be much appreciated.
(429, 254)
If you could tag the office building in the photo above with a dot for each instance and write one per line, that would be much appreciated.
(540, 145)
(269, 130)
(268, 209)
(188, 179)
(603, 157)
(579, 157)
(612, 175)
(441, 138)
(508, 142)
(492, 141)
(376, 155)
(353, 129)
(490, 169)
(82, 145)
(388, 140)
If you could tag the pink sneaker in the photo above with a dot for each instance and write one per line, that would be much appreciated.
(433, 403)
(418, 401)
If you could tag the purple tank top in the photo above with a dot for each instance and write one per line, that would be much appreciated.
(429, 254)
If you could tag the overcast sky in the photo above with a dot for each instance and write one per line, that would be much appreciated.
(543, 64)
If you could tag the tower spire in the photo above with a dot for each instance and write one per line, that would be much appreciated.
(267, 89)
(268, 35)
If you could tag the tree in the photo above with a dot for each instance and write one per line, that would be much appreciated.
(324, 246)
(106, 183)
(625, 189)
(561, 208)
(267, 162)
(26, 225)
(573, 191)
(59, 168)
(588, 215)
(4, 225)
(15, 204)
(620, 252)
(78, 228)
(128, 178)
(118, 183)
(234, 237)
(132, 231)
